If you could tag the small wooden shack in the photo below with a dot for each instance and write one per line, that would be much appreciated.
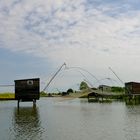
(27, 89)
(132, 88)
(104, 88)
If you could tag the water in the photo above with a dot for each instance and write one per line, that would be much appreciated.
(60, 119)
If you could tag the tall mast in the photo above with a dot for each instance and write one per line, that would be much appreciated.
(54, 76)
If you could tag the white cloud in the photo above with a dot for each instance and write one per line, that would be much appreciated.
(67, 31)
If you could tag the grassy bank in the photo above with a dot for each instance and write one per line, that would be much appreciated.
(7, 96)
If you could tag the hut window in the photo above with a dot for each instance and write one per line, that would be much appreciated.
(30, 82)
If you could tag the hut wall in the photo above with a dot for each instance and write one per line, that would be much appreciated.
(27, 89)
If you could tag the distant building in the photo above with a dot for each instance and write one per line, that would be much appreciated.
(104, 88)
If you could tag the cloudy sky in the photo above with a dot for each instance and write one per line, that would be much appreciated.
(38, 36)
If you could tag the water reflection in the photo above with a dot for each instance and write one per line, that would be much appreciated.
(27, 123)
(132, 102)
(70, 120)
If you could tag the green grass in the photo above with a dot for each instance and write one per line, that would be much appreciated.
(7, 95)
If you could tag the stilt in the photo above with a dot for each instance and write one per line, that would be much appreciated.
(129, 98)
(34, 102)
(135, 97)
(102, 98)
(18, 103)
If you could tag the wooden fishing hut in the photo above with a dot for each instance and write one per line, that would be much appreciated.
(27, 90)
(132, 90)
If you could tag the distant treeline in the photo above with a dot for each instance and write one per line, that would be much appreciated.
(117, 89)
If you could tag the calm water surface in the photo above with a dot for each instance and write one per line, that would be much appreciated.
(59, 119)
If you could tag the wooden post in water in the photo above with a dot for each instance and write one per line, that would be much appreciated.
(34, 102)
(102, 98)
(88, 98)
(18, 103)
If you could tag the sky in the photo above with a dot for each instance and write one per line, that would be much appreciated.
(38, 36)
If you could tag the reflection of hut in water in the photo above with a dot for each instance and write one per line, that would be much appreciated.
(27, 123)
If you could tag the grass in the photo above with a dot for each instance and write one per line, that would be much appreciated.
(7, 96)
